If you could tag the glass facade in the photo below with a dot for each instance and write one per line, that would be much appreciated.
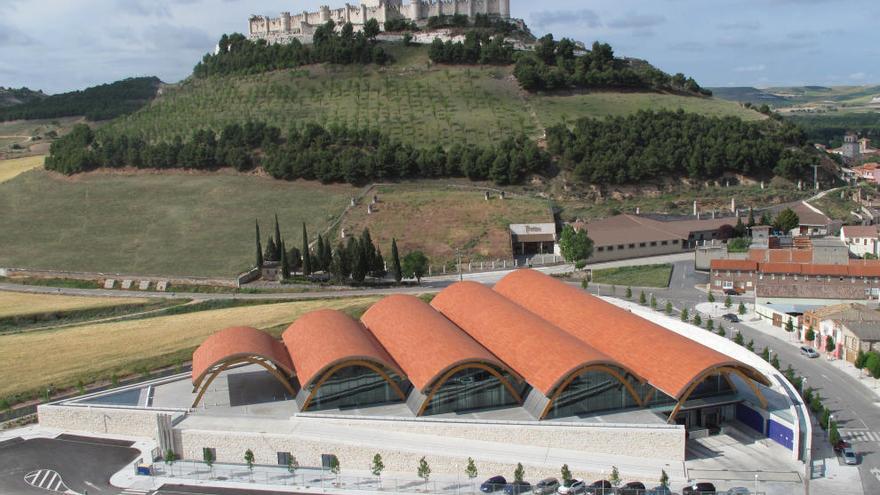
(356, 386)
(591, 392)
(470, 389)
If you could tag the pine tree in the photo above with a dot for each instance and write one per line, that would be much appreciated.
(259, 246)
(307, 258)
(285, 263)
(278, 249)
(395, 262)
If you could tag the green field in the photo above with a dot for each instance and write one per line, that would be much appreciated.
(145, 224)
(415, 101)
(634, 276)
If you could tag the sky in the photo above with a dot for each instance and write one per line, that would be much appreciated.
(61, 45)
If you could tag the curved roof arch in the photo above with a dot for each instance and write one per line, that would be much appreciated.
(541, 353)
(422, 341)
(668, 361)
(237, 343)
(322, 340)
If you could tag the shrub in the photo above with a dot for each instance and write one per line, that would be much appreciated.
(580, 264)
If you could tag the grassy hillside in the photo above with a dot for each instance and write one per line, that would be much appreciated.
(16, 96)
(438, 219)
(412, 99)
(10, 169)
(181, 223)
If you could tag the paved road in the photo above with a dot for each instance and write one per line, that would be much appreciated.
(202, 490)
(82, 465)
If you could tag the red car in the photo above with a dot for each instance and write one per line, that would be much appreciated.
(840, 445)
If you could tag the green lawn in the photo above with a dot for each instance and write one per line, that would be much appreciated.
(151, 224)
(413, 100)
(635, 276)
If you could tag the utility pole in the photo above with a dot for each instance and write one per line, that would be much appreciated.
(458, 254)
(816, 176)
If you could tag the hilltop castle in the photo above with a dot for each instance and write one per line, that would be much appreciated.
(301, 26)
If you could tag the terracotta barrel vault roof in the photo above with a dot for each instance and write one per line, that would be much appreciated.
(319, 340)
(238, 342)
(421, 340)
(668, 361)
(540, 353)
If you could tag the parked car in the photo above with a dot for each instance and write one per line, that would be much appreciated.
(731, 318)
(572, 487)
(632, 488)
(699, 489)
(546, 486)
(599, 487)
(809, 352)
(731, 292)
(738, 490)
(660, 490)
(849, 456)
(493, 484)
(517, 488)
(840, 445)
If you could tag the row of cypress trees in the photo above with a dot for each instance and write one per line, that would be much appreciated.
(355, 259)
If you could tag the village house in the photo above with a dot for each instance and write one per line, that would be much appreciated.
(862, 240)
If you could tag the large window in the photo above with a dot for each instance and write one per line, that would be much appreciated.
(591, 392)
(355, 386)
(471, 389)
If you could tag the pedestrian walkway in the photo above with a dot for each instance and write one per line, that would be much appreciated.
(46, 479)
(859, 435)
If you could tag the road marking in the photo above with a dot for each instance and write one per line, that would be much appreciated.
(46, 479)
(876, 473)
(860, 436)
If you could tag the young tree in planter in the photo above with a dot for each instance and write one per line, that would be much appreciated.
(208, 459)
(765, 354)
(711, 297)
(789, 326)
(684, 315)
(742, 309)
(629, 293)
(698, 320)
(739, 338)
(615, 477)
(833, 434)
(664, 478)
(377, 467)
(566, 474)
(424, 471)
(728, 302)
(249, 460)
(169, 460)
(668, 308)
(335, 468)
(710, 325)
(829, 344)
(751, 345)
(721, 331)
(653, 302)
(396, 271)
(585, 283)
(774, 361)
(471, 469)
(860, 360)
(292, 466)
(259, 247)
(643, 300)
(519, 473)
(810, 336)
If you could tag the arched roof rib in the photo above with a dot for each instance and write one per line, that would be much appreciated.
(323, 339)
(423, 342)
(238, 343)
(668, 361)
(540, 353)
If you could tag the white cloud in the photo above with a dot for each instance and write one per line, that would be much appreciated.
(751, 68)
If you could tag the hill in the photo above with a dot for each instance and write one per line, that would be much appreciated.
(812, 99)
(748, 94)
(102, 102)
(17, 96)
(412, 100)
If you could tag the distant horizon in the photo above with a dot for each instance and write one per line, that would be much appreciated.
(58, 46)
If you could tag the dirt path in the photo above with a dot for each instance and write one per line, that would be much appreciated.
(109, 319)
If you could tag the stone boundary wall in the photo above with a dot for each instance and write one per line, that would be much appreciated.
(103, 420)
(101, 276)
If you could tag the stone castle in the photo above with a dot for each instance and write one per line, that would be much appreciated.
(301, 26)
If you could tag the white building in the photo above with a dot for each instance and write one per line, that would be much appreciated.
(861, 239)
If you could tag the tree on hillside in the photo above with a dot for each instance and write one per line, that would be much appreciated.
(306, 256)
(377, 269)
(786, 221)
(271, 250)
(415, 265)
(259, 246)
(326, 255)
(318, 258)
(396, 270)
(371, 29)
(751, 221)
(766, 219)
(575, 244)
(740, 229)
(285, 263)
(294, 259)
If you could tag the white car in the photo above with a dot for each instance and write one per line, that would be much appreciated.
(572, 487)
(849, 456)
(809, 352)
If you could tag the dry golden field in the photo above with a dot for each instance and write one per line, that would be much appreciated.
(34, 361)
(14, 167)
(18, 304)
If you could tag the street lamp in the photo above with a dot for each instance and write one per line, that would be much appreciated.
(756, 484)
(830, 419)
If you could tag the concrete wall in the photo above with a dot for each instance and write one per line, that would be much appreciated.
(634, 250)
(128, 422)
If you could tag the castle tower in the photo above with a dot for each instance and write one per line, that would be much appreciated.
(325, 13)
(850, 146)
(285, 22)
(415, 10)
(504, 9)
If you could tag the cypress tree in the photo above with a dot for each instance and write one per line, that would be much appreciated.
(378, 269)
(278, 249)
(307, 261)
(327, 255)
(395, 262)
(285, 263)
(318, 261)
(369, 250)
(259, 246)
(271, 250)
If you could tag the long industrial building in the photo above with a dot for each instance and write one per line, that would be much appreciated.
(532, 341)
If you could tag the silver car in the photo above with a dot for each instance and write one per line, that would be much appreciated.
(546, 486)
(850, 457)
(809, 352)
